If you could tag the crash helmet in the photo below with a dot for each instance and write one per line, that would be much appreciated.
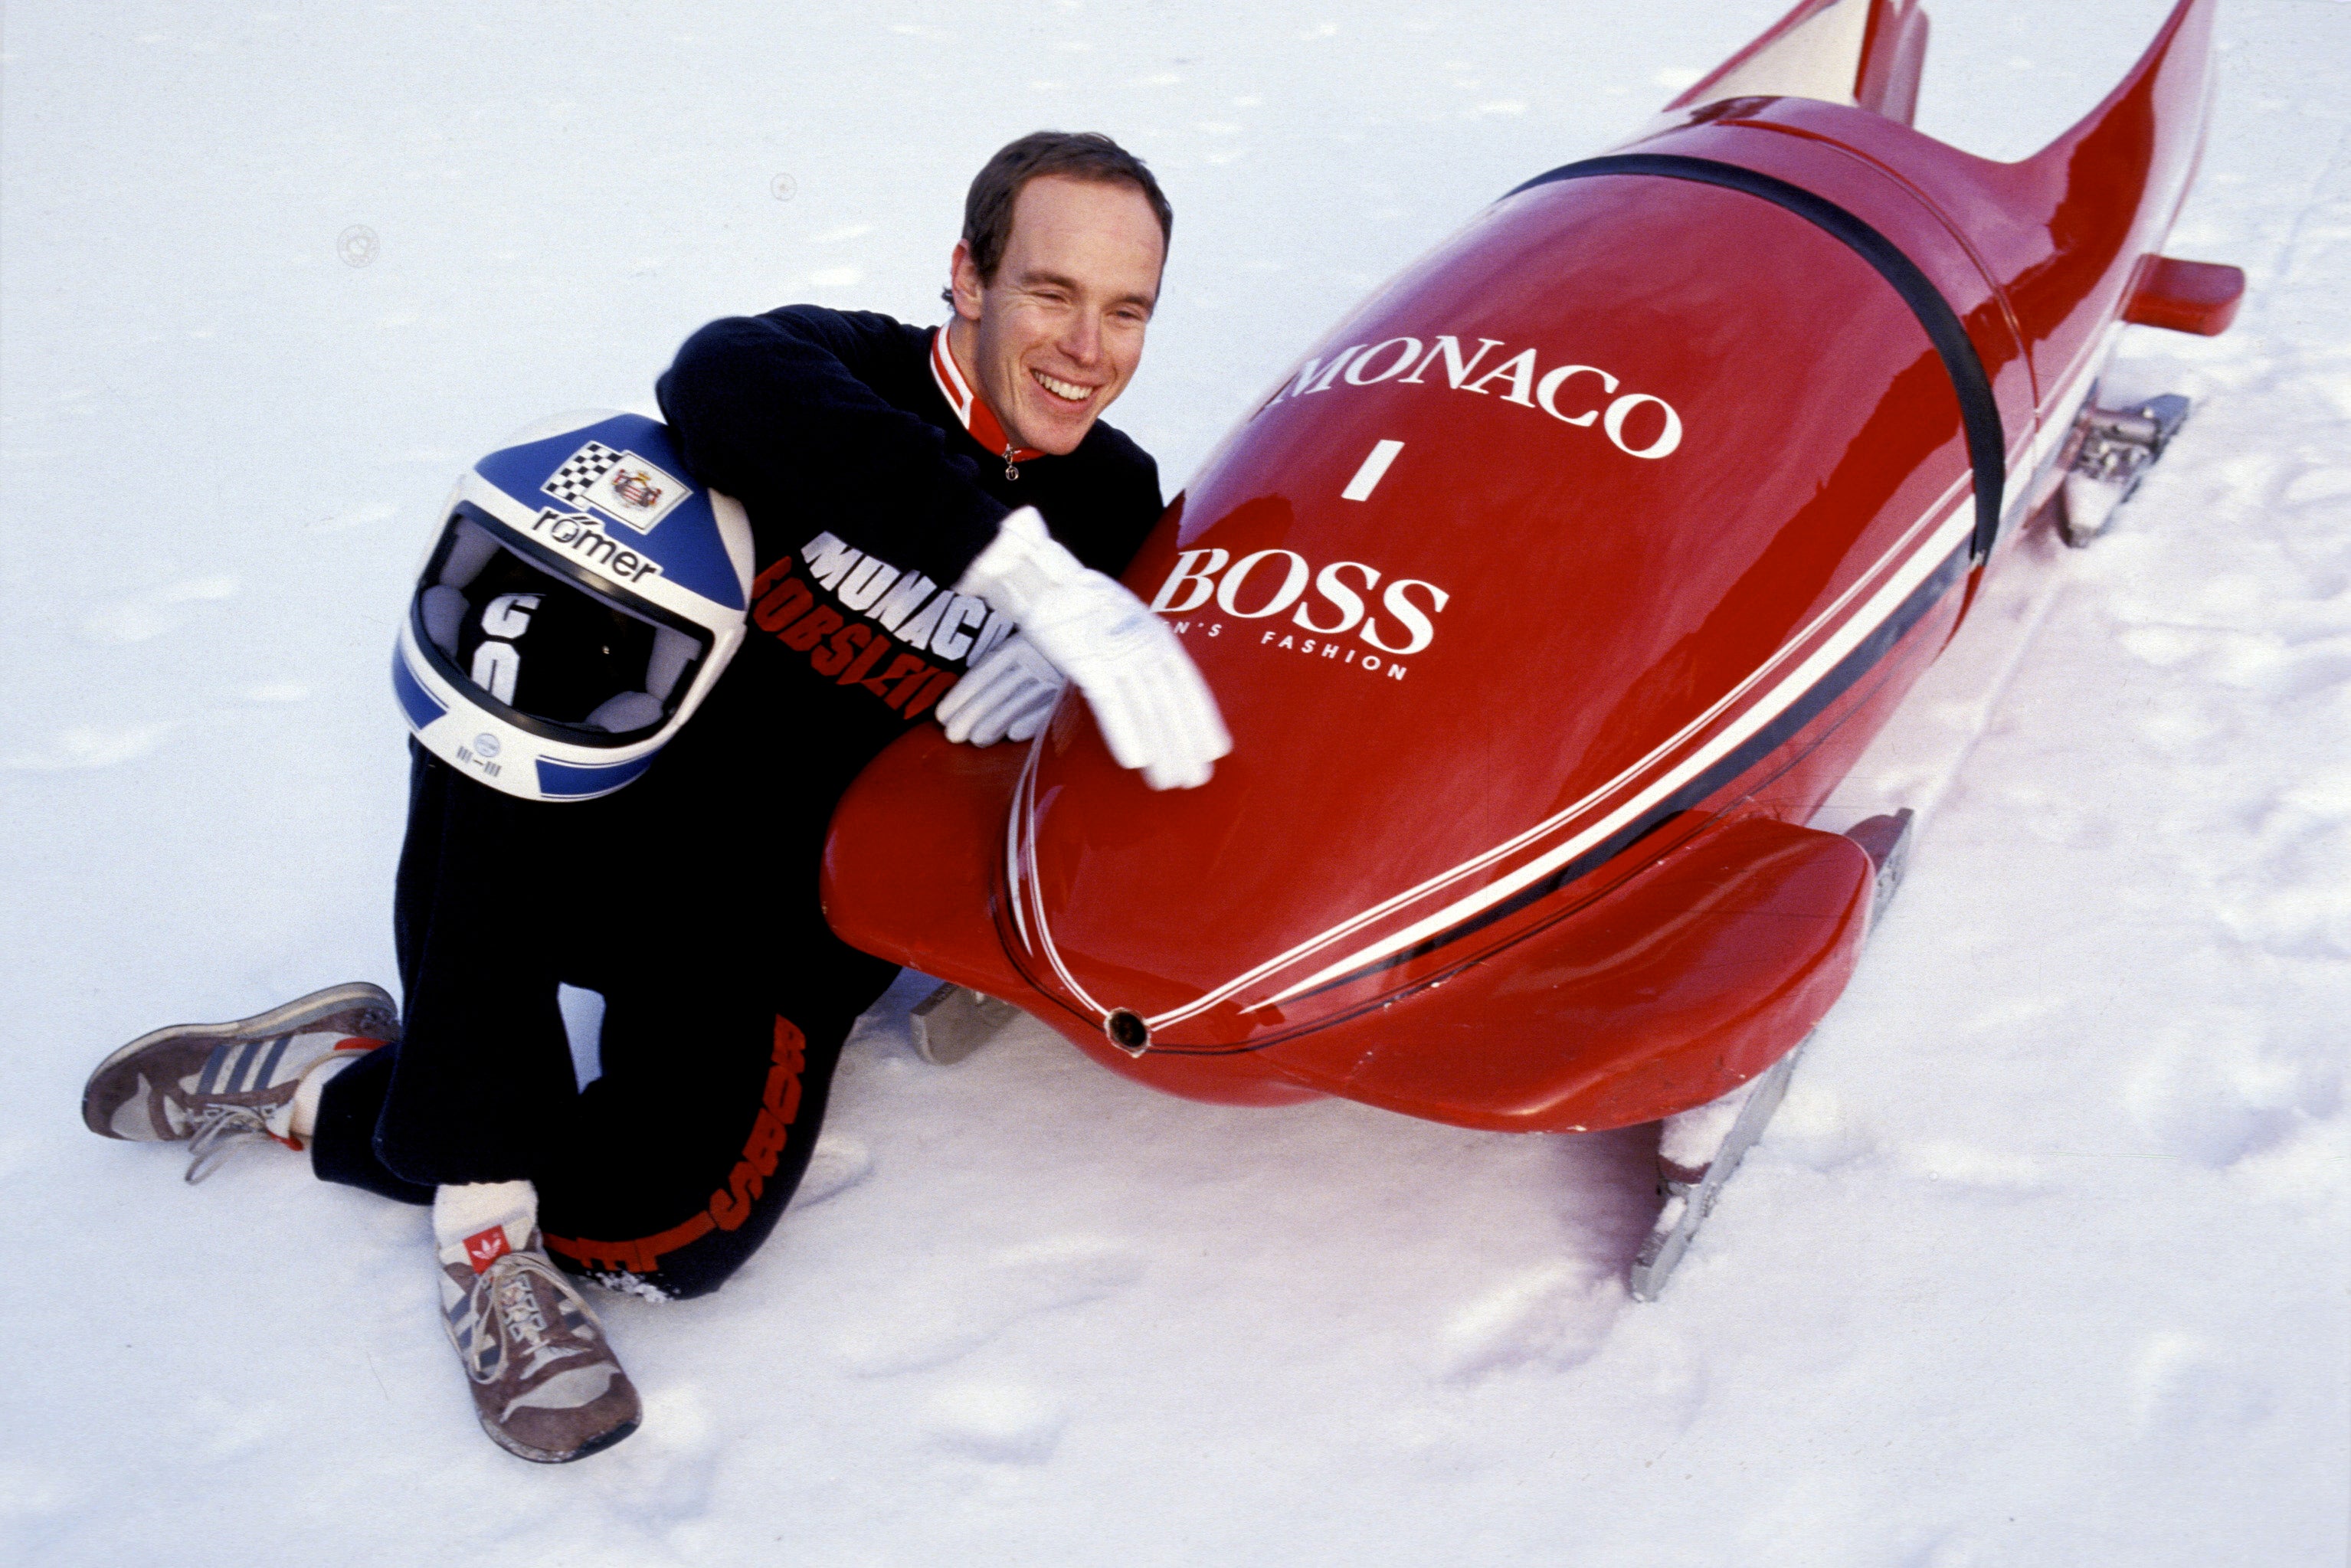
(578, 600)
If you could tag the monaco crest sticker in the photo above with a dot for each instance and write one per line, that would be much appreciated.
(621, 484)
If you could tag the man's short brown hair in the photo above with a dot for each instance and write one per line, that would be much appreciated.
(1072, 154)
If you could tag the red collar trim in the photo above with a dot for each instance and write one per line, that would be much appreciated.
(970, 407)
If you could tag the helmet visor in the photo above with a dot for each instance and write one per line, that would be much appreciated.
(536, 644)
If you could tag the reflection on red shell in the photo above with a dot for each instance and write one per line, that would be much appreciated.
(1545, 602)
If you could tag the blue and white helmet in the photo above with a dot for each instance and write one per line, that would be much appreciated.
(578, 600)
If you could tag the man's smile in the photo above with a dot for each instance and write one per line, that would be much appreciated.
(1068, 392)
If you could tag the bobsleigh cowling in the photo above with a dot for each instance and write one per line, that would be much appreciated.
(1549, 597)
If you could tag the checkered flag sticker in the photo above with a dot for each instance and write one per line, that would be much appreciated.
(621, 484)
(579, 473)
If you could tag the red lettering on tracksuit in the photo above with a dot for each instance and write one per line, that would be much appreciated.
(730, 1206)
(848, 651)
(780, 1106)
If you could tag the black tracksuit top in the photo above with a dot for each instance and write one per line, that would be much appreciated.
(868, 500)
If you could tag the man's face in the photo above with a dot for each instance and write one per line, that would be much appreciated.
(1056, 337)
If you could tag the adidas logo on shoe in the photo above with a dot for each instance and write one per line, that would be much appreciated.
(485, 1247)
(546, 1386)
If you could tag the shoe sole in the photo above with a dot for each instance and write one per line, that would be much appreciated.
(595, 1445)
(364, 1002)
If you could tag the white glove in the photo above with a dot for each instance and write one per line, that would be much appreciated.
(1154, 710)
(1007, 696)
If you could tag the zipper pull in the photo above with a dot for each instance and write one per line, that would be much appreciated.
(1011, 469)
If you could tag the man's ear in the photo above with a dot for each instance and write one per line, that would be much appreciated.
(962, 275)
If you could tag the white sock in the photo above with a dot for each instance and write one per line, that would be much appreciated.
(302, 1111)
(466, 1219)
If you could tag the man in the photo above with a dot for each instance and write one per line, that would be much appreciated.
(912, 495)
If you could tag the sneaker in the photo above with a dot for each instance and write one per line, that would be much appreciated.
(214, 1085)
(546, 1384)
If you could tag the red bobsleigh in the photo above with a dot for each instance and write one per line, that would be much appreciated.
(1552, 593)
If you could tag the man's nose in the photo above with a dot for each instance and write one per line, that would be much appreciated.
(1082, 340)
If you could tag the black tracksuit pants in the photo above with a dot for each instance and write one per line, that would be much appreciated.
(688, 901)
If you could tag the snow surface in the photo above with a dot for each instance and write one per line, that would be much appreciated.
(2043, 1260)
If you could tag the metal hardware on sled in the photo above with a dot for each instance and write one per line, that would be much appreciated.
(2116, 448)
(952, 1022)
(1886, 840)
(1691, 1198)
(1688, 1203)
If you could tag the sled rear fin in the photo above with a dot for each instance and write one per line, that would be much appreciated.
(2199, 296)
(1892, 60)
(1866, 53)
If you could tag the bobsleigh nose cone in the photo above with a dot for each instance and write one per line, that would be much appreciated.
(1127, 1031)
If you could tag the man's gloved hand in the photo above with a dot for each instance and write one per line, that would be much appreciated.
(1007, 696)
(1154, 710)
